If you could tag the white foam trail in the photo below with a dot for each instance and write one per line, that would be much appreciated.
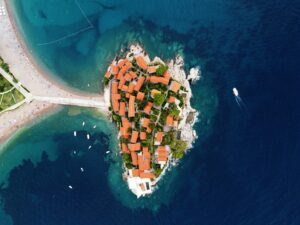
(241, 104)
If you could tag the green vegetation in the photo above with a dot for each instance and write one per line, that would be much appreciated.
(156, 168)
(178, 148)
(159, 99)
(105, 81)
(161, 69)
(173, 110)
(9, 96)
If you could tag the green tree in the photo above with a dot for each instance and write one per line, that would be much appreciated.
(159, 99)
(161, 69)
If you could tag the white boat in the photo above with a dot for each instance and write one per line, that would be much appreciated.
(94, 126)
(88, 136)
(235, 92)
(81, 169)
(90, 147)
(75, 133)
(107, 152)
(70, 187)
(83, 123)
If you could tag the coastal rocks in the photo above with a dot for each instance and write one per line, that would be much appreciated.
(194, 75)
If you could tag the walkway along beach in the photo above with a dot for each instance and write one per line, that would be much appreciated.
(45, 94)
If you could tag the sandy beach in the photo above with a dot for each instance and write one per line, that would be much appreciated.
(22, 65)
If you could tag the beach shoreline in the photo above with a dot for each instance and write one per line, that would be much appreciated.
(46, 74)
(32, 76)
(23, 116)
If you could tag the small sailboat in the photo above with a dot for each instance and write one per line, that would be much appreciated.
(83, 123)
(70, 187)
(82, 170)
(107, 152)
(88, 136)
(74, 152)
(75, 133)
(90, 147)
(94, 126)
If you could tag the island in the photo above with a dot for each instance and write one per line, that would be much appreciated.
(150, 105)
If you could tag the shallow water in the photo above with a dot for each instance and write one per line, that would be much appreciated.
(243, 168)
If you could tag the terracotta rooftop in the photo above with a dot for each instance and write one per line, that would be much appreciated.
(114, 88)
(140, 61)
(139, 83)
(171, 99)
(146, 122)
(135, 173)
(122, 109)
(159, 136)
(107, 74)
(134, 147)
(140, 96)
(114, 69)
(156, 79)
(134, 136)
(169, 120)
(154, 92)
(147, 175)
(134, 158)
(143, 135)
(151, 69)
(175, 86)
(124, 148)
(148, 107)
(131, 109)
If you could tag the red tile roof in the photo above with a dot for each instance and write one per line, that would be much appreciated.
(114, 69)
(114, 88)
(132, 74)
(175, 86)
(171, 99)
(135, 147)
(134, 158)
(131, 87)
(159, 136)
(146, 122)
(148, 107)
(127, 77)
(135, 173)
(169, 120)
(134, 136)
(156, 79)
(107, 74)
(140, 96)
(131, 109)
(154, 92)
(141, 62)
(144, 162)
(147, 175)
(122, 108)
(124, 148)
(139, 83)
(151, 69)
(143, 135)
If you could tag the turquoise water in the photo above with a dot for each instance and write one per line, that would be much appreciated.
(244, 166)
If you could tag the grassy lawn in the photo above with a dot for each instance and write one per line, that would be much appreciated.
(9, 96)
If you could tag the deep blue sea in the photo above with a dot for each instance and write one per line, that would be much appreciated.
(245, 166)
